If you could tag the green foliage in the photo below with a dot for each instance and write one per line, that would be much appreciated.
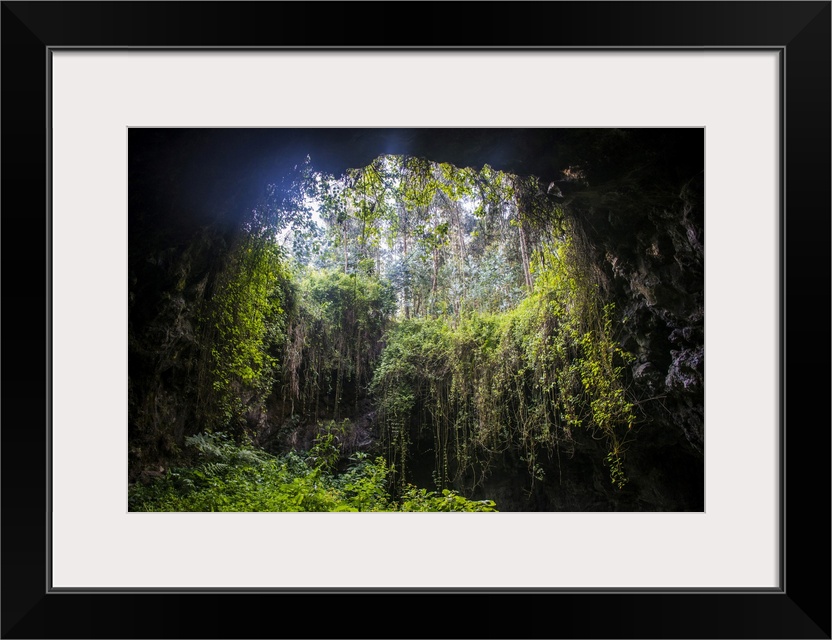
(615, 464)
(325, 453)
(446, 500)
(451, 296)
(426, 227)
(521, 380)
(241, 478)
(245, 325)
(334, 337)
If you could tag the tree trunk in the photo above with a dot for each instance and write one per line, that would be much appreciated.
(524, 254)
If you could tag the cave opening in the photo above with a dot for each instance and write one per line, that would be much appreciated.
(415, 334)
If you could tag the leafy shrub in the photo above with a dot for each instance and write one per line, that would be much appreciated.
(241, 478)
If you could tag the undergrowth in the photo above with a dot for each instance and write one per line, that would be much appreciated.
(227, 476)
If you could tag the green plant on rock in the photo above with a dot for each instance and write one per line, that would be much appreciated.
(244, 325)
(326, 451)
(334, 340)
(523, 380)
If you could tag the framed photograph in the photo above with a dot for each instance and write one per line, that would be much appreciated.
(133, 129)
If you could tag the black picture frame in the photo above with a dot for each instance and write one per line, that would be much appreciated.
(800, 608)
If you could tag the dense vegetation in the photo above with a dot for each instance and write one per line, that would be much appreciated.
(405, 309)
(224, 476)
